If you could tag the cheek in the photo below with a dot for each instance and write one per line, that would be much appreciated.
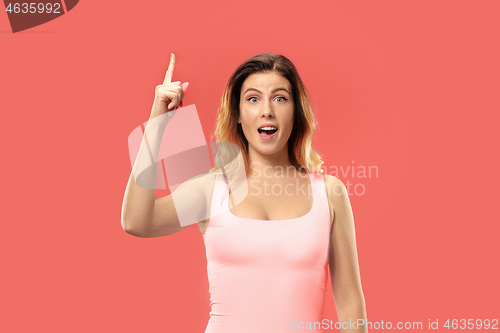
(245, 125)
(290, 123)
(243, 119)
(247, 118)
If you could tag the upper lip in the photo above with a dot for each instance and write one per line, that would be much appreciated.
(267, 125)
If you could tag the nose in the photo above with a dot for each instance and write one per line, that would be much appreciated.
(267, 110)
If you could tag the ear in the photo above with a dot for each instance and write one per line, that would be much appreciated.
(239, 120)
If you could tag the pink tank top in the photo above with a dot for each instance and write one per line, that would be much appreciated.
(267, 276)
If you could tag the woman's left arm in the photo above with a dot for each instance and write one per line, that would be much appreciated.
(343, 260)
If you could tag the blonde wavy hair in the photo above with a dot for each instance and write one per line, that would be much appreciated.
(227, 129)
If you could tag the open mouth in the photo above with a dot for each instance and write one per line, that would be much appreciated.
(267, 130)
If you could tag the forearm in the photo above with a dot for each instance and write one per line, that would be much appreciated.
(352, 317)
(140, 193)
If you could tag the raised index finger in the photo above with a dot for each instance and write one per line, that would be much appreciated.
(170, 70)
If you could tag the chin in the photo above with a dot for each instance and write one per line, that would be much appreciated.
(268, 150)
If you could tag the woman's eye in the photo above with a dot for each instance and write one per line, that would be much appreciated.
(283, 99)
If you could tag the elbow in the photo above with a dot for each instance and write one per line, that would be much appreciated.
(355, 309)
(131, 228)
(131, 225)
(352, 299)
(127, 227)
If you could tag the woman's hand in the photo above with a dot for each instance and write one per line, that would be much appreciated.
(168, 95)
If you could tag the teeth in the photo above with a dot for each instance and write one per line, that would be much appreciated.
(269, 128)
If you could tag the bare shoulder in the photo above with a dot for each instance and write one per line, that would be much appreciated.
(201, 185)
(337, 194)
(204, 186)
(334, 186)
(193, 197)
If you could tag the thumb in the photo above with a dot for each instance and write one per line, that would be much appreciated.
(184, 86)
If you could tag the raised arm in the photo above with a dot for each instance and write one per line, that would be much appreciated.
(144, 215)
(343, 260)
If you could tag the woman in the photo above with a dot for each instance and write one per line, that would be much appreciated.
(268, 252)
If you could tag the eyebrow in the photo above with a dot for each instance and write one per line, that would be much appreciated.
(272, 92)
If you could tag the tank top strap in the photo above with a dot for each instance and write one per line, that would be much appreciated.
(221, 191)
(320, 194)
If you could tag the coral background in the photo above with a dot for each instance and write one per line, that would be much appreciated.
(411, 88)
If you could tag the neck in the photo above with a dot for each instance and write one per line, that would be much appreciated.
(271, 163)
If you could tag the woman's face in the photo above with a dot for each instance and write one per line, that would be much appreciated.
(266, 102)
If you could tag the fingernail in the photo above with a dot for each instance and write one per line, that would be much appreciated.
(171, 54)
